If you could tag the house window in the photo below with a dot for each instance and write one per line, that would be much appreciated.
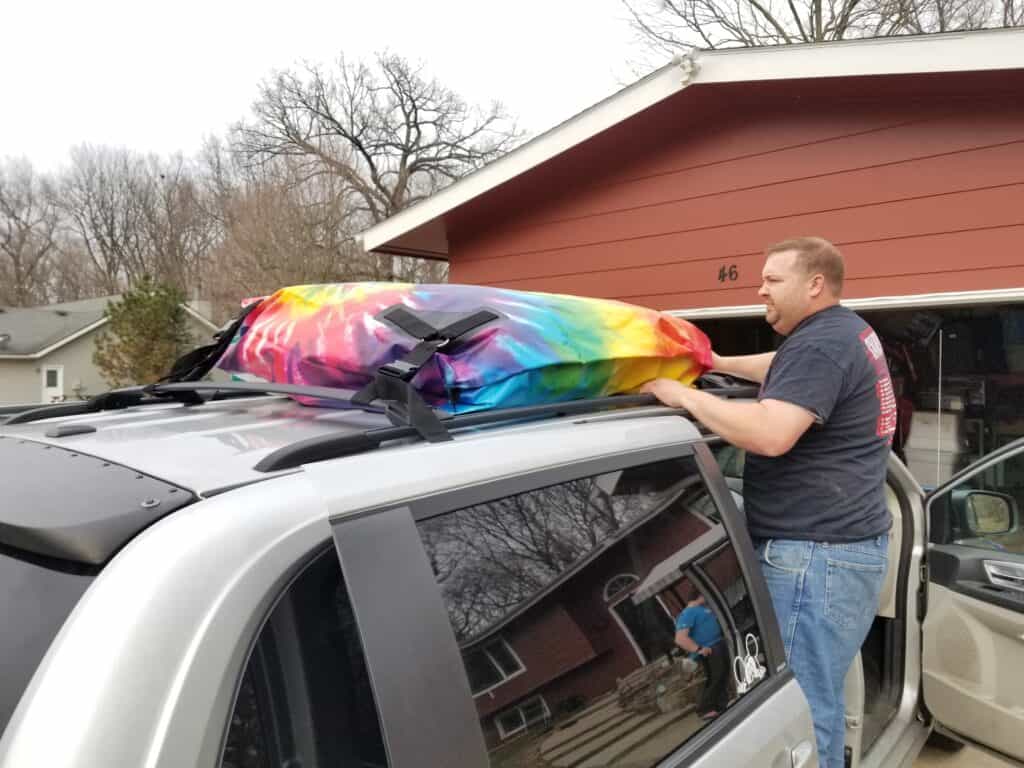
(619, 584)
(491, 665)
(52, 380)
(519, 718)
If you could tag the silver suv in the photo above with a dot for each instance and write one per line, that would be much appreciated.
(238, 580)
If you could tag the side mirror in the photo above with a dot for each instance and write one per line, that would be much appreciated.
(988, 513)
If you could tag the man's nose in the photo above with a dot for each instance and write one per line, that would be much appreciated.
(763, 290)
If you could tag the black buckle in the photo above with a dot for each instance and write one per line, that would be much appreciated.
(400, 369)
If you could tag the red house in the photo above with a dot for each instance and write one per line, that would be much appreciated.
(908, 153)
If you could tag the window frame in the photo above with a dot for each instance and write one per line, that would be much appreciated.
(504, 678)
(518, 707)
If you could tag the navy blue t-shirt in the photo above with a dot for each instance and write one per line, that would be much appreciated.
(830, 486)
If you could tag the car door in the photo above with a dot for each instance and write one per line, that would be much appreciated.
(973, 644)
(498, 620)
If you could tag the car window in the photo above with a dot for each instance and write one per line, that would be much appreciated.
(36, 597)
(564, 601)
(305, 696)
(984, 509)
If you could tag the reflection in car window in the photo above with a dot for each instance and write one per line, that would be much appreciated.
(984, 509)
(566, 602)
(305, 696)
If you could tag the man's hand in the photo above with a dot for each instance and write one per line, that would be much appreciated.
(705, 652)
(669, 392)
(768, 427)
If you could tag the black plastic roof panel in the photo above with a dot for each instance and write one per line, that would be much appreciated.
(59, 503)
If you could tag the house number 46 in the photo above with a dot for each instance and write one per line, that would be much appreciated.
(728, 273)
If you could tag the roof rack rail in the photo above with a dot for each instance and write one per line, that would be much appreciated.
(335, 446)
(127, 397)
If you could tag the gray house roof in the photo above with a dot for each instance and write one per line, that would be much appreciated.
(33, 332)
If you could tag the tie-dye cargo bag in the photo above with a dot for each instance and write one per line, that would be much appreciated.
(462, 347)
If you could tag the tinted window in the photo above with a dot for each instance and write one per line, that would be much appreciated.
(305, 696)
(34, 602)
(577, 587)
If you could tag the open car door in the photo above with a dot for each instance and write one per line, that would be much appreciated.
(973, 655)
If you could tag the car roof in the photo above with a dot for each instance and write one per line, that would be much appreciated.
(202, 448)
(217, 445)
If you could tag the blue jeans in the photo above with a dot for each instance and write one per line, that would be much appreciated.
(825, 598)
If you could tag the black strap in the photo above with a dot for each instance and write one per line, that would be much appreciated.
(392, 381)
(193, 365)
(431, 340)
(408, 322)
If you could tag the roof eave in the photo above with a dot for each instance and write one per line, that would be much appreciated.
(420, 231)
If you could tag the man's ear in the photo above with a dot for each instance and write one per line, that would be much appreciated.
(817, 286)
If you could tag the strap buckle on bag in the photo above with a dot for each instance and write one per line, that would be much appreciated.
(407, 368)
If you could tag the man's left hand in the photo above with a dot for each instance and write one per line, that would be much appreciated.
(669, 392)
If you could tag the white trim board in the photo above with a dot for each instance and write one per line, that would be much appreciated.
(874, 303)
(999, 49)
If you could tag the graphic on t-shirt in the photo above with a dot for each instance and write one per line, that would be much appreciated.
(887, 412)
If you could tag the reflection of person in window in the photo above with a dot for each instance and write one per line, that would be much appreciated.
(697, 631)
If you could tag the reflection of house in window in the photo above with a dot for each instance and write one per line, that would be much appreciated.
(491, 665)
(517, 719)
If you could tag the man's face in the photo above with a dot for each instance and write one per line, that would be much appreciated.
(786, 291)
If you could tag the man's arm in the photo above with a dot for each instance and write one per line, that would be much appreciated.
(688, 644)
(750, 367)
(767, 428)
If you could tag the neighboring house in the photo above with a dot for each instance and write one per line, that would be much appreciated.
(46, 352)
(907, 152)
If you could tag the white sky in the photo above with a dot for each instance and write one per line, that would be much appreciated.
(160, 77)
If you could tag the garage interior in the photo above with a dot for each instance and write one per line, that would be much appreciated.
(958, 375)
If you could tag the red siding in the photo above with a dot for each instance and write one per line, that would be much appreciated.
(923, 189)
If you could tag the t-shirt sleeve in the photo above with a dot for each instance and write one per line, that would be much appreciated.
(807, 377)
(686, 619)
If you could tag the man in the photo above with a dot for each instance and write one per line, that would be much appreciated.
(817, 443)
(698, 633)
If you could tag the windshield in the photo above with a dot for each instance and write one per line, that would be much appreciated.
(35, 599)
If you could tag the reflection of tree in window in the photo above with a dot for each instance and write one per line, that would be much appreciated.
(492, 557)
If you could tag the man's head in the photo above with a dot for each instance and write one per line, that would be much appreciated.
(697, 599)
(800, 277)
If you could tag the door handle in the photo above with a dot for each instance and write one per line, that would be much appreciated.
(1003, 574)
(802, 754)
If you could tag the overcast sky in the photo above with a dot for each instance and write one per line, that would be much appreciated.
(159, 77)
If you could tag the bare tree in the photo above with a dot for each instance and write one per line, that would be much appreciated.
(103, 196)
(392, 135)
(667, 26)
(389, 134)
(178, 226)
(28, 234)
(277, 227)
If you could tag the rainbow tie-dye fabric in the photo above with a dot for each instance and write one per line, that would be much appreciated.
(543, 348)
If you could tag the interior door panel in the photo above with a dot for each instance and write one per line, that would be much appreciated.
(973, 676)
